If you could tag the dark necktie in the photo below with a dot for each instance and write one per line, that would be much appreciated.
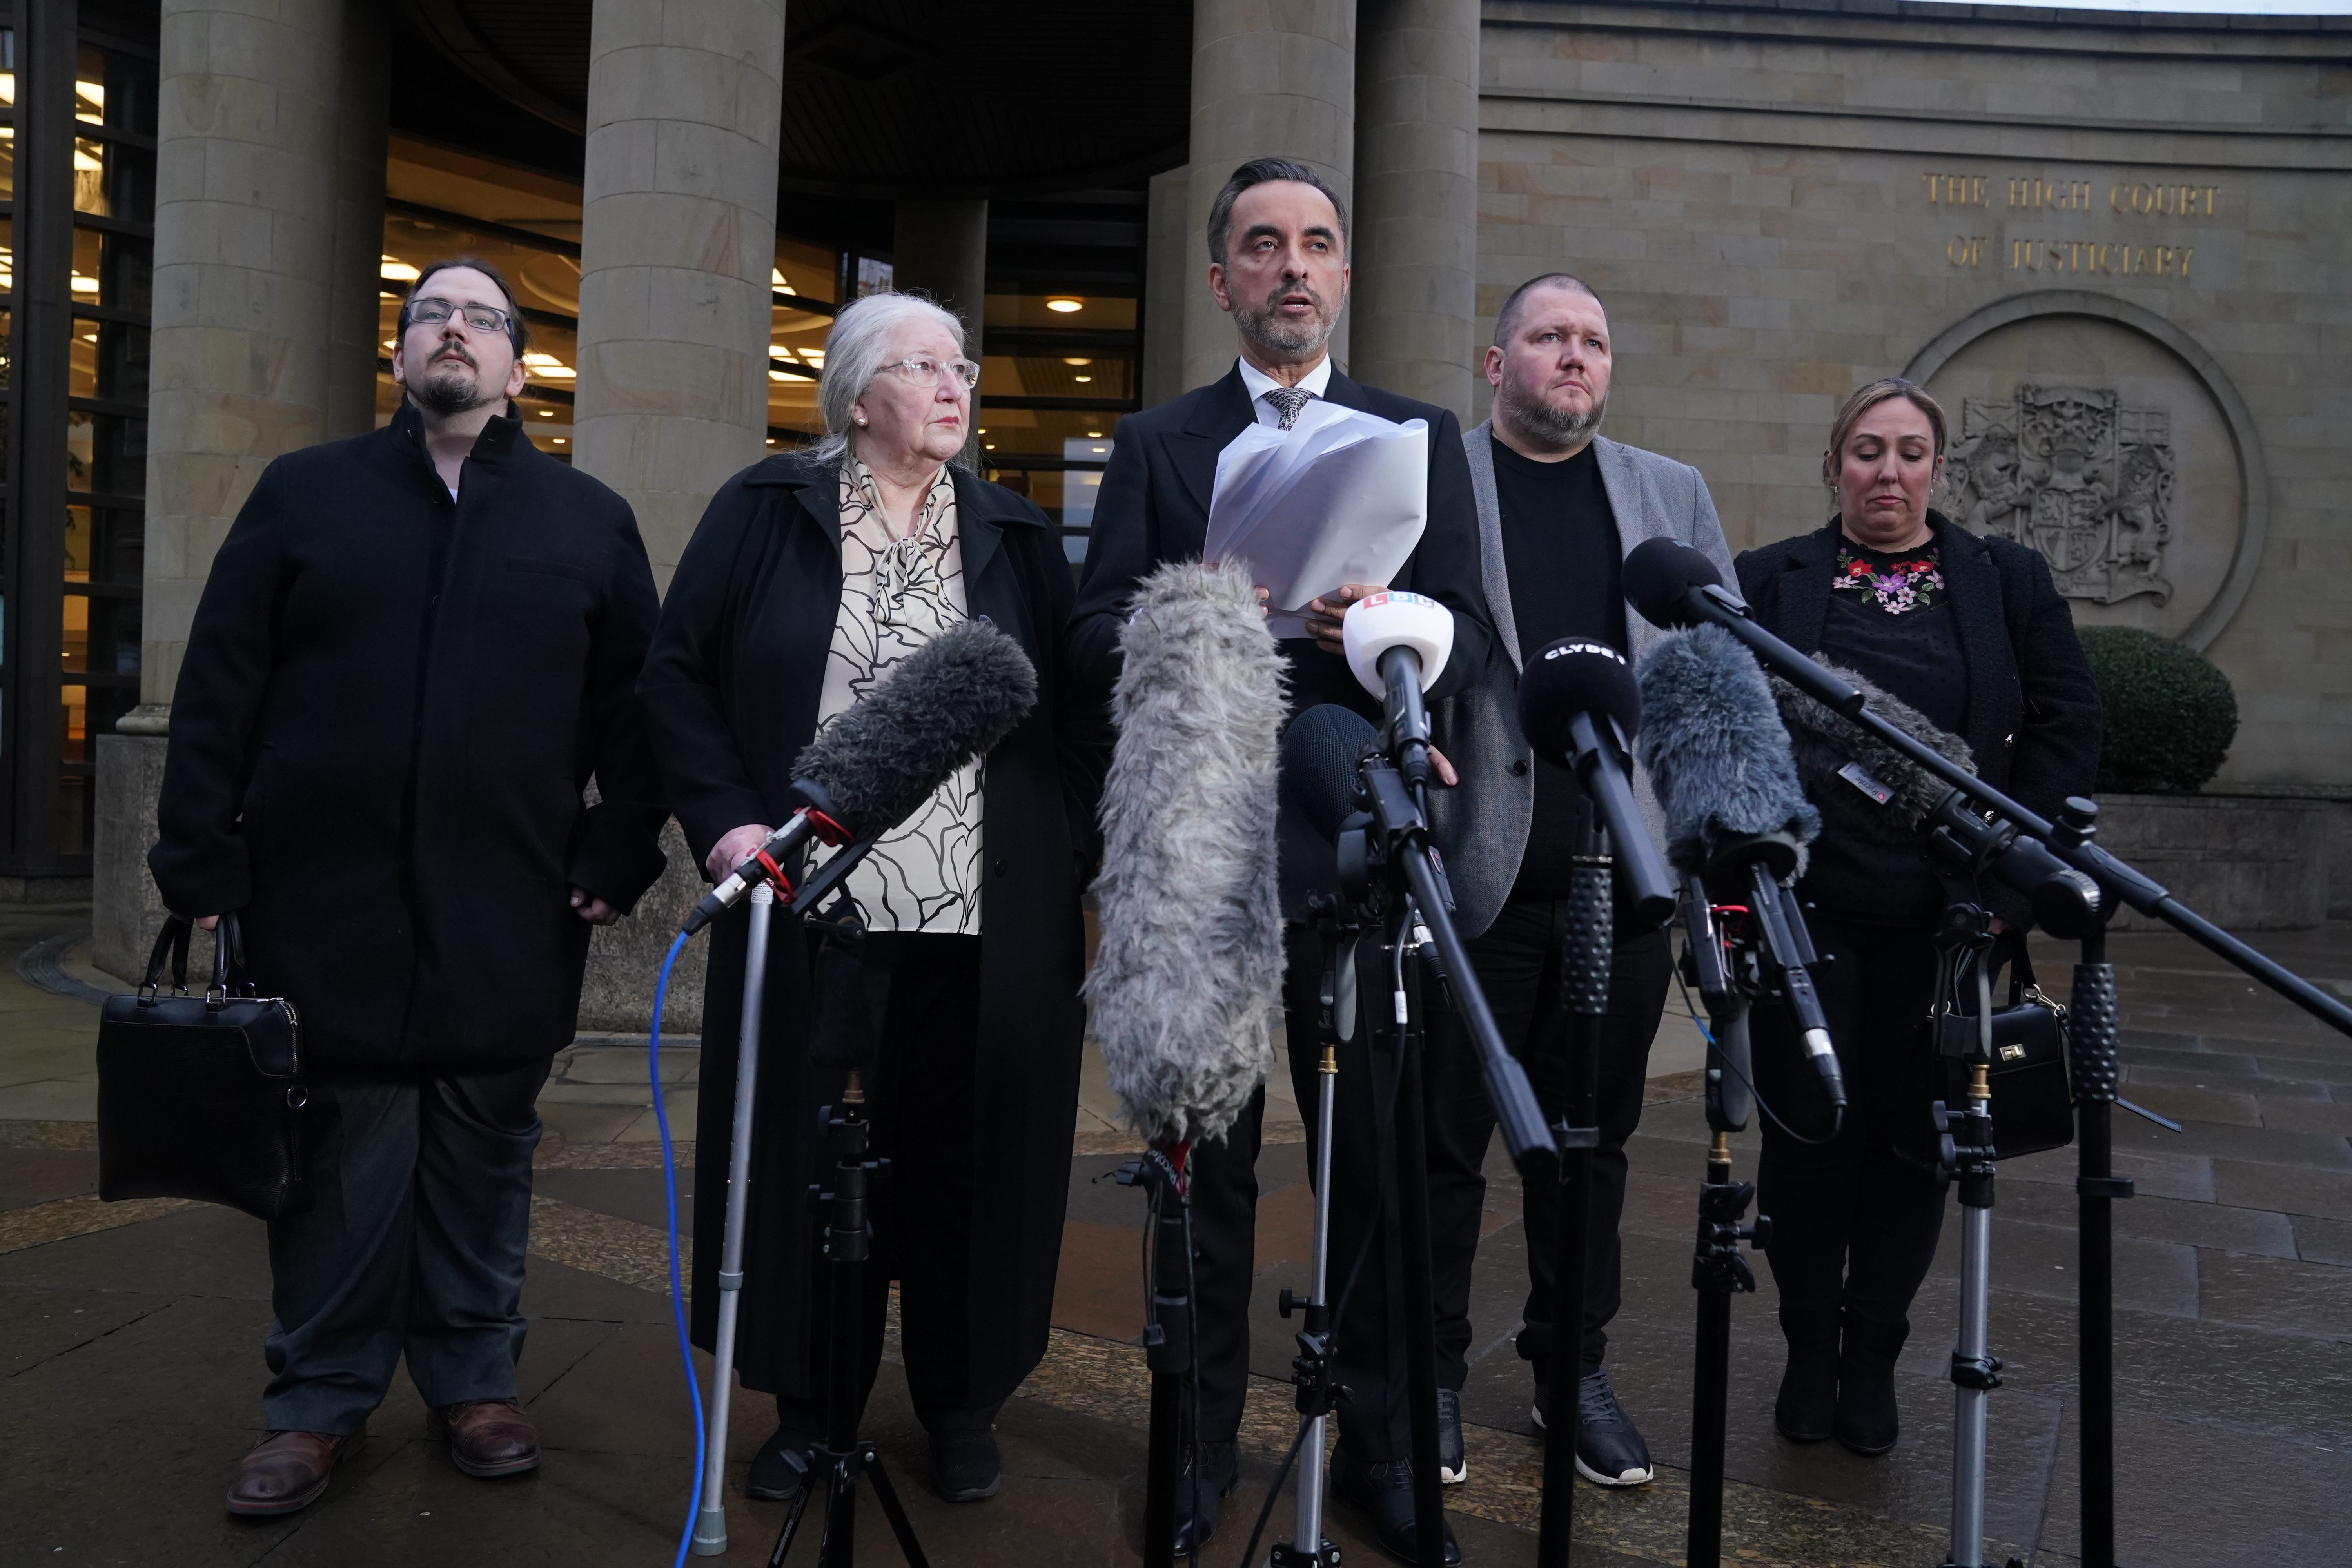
(1288, 401)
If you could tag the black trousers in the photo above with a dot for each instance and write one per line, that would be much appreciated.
(1854, 1219)
(920, 1103)
(1518, 962)
(414, 1247)
(1224, 1197)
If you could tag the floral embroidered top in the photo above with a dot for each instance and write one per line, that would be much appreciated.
(1897, 582)
(896, 595)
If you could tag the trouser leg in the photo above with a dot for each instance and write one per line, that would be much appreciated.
(476, 1129)
(931, 1037)
(339, 1273)
(1641, 968)
(1867, 1198)
(1224, 1203)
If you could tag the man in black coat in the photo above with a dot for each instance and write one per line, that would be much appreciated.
(1278, 248)
(415, 649)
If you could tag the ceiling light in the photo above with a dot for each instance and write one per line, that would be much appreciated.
(991, 445)
(558, 440)
(1082, 378)
(1065, 306)
(1078, 362)
(547, 414)
(778, 375)
(776, 281)
(1096, 435)
(394, 267)
(83, 285)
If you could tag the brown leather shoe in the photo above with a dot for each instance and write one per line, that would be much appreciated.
(486, 1437)
(286, 1471)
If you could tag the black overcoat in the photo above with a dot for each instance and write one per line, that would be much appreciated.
(732, 690)
(391, 706)
(2032, 705)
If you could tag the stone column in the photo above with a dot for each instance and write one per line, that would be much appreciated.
(1173, 266)
(355, 320)
(940, 247)
(1267, 81)
(1416, 295)
(245, 161)
(245, 215)
(677, 242)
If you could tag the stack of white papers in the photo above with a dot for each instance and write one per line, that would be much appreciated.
(1340, 496)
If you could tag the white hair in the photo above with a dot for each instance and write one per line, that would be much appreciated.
(856, 351)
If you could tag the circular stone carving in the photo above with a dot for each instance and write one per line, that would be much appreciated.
(2109, 440)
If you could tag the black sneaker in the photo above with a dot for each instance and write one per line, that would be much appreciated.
(1609, 1450)
(964, 1464)
(781, 1466)
(1452, 1465)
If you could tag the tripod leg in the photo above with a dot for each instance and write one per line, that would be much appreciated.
(1420, 1295)
(784, 1538)
(887, 1494)
(1711, 1374)
(1170, 1359)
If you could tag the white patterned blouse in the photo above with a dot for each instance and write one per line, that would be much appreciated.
(896, 594)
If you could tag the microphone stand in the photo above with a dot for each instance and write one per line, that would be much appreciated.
(1967, 1154)
(1586, 949)
(1169, 1350)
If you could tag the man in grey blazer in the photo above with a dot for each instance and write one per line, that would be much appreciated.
(1558, 508)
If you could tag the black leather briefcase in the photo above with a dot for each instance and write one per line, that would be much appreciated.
(202, 1097)
(2033, 1099)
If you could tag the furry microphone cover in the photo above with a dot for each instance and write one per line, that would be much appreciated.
(1826, 742)
(1189, 973)
(1717, 756)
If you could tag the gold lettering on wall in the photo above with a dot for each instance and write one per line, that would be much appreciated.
(2058, 196)
(1954, 190)
(2100, 257)
(2162, 201)
(1965, 249)
(2032, 193)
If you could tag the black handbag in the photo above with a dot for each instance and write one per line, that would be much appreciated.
(202, 1097)
(2033, 1099)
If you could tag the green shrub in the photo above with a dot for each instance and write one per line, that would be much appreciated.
(2170, 714)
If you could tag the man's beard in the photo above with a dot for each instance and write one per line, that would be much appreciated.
(1274, 336)
(1555, 426)
(448, 390)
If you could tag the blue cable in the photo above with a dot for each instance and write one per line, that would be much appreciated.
(676, 1291)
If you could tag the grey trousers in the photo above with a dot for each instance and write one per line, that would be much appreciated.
(415, 1245)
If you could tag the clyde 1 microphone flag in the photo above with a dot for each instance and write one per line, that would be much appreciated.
(1568, 679)
(1717, 752)
(1188, 975)
(951, 699)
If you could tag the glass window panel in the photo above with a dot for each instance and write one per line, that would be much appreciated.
(89, 268)
(7, 162)
(105, 544)
(7, 253)
(811, 272)
(1094, 373)
(1008, 434)
(81, 446)
(90, 177)
(116, 90)
(81, 361)
(543, 280)
(120, 352)
(6, 356)
(792, 404)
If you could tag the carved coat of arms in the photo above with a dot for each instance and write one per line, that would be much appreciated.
(2071, 472)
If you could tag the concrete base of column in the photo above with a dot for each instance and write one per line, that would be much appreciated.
(126, 909)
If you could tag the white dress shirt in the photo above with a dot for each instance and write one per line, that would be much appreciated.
(1260, 384)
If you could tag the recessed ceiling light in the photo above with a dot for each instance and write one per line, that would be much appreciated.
(393, 266)
(547, 414)
(1094, 434)
(1078, 362)
(558, 440)
(992, 446)
(1082, 378)
(1065, 306)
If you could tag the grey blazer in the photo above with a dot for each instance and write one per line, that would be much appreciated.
(1482, 824)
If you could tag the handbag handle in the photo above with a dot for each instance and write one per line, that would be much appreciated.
(228, 959)
(171, 946)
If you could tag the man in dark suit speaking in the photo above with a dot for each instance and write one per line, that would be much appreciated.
(1278, 264)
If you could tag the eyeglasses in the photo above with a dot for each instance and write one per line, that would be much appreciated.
(480, 318)
(927, 372)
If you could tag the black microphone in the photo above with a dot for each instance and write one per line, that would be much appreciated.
(1580, 708)
(949, 702)
(1719, 761)
(1319, 752)
(1673, 587)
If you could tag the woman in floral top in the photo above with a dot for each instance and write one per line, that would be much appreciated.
(1971, 633)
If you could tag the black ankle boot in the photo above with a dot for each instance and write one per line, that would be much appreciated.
(1868, 1421)
(1808, 1388)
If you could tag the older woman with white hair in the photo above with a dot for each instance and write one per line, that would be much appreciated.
(811, 575)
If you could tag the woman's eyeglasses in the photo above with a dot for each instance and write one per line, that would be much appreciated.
(927, 372)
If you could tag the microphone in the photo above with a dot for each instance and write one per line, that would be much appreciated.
(1673, 586)
(1578, 707)
(1884, 795)
(1720, 764)
(1397, 644)
(1319, 765)
(949, 702)
(1187, 975)
(1718, 759)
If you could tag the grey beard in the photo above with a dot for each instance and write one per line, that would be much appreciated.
(447, 394)
(1550, 425)
(1265, 333)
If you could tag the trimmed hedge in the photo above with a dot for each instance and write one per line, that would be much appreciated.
(2170, 713)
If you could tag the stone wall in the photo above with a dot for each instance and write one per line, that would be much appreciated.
(2112, 246)
(2245, 864)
